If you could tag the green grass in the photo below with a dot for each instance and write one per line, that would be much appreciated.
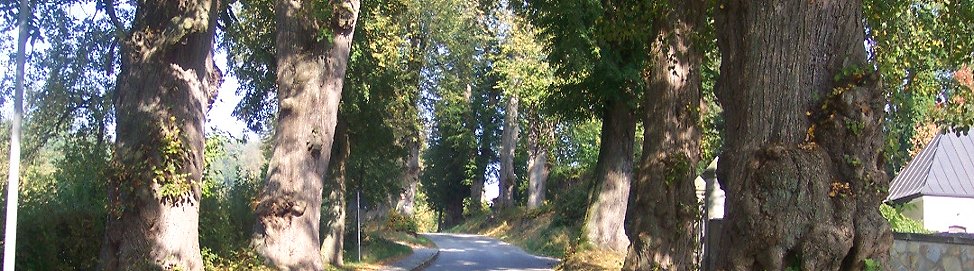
(376, 251)
(382, 247)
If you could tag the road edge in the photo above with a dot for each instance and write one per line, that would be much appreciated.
(428, 261)
(419, 265)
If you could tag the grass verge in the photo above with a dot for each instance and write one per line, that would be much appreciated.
(380, 248)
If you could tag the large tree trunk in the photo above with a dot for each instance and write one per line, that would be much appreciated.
(538, 137)
(477, 187)
(483, 159)
(333, 215)
(410, 179)
(801, 164)
(505, 197)
(664, 210)
(613, 171)
(454, 213)
(166, 84)
(310, 70)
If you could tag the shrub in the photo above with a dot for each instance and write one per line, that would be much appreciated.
(401, 223)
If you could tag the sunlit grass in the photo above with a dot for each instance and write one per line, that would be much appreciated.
(588, 259)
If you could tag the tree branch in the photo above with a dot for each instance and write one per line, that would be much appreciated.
(109, 6)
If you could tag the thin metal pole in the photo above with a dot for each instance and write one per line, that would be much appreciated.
(358, 218)
(13, 175)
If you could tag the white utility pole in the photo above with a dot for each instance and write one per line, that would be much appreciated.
(13, 176)
(358, 221)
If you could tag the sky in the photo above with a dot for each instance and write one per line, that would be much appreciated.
(220, 117)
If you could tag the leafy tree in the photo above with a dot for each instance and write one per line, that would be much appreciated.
(919, 48)
(525, 77)
(455, 84)
(600, 47)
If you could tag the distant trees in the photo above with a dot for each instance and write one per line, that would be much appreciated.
(599, 48)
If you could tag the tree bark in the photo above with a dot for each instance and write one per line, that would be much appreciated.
(663, 214)
(166, 83)
(607, 209)
(537, 161)
(310, 72)
(333, 230)
(410, 179)
(477, 187)
(505, 198)
(801, 164)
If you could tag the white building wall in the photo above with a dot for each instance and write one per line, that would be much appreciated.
(939, 213)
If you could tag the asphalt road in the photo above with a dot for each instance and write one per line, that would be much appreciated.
(465, 252)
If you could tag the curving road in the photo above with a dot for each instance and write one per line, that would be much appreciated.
(465, 252)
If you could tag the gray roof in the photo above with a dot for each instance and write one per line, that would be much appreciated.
(945, 167)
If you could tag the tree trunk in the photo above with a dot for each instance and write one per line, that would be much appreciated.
(613, 171)
(165, 85)
(410, 179)
(310, 71)
(333, 230)
(801, 164)
(537, 161)
(477, 188)
(454, 213)
(663, 214)
(505, 198)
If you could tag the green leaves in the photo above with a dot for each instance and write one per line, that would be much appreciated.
(598, 49)
(252, 60)
(918, 46)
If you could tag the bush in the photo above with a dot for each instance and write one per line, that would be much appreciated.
(899, 222)
(401, 223)
(570, 206)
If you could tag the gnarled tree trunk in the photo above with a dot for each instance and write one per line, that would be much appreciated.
(310, 73)
(505, 197)
(801, 165)
(538, 137)
(613, 171)
(663, 214)
(166, 83)
(333, 215)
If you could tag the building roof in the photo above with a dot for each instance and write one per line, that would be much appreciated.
(945, 167)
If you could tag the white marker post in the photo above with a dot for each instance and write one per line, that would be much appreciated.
(358, 219)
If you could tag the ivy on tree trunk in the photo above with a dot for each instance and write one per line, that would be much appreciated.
(663, 211)
(166, 84)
